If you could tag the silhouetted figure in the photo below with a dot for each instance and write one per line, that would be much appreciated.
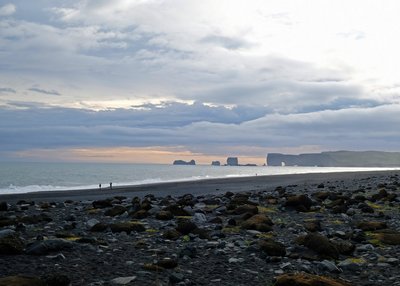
(100, 186)
(110, 185)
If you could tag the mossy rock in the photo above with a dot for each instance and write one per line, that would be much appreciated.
(371, 225)
(258, 222)
(303, 279)
(272, 247)
(21, 281)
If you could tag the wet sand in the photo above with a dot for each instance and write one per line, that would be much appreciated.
(199, 187)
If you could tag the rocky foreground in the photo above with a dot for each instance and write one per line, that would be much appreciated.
(328, 234)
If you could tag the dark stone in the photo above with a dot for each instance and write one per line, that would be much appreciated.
(177, 210)
(164, 215)
(246, 209)
(47, 246)
(189, 251)
(57, 280)
(321, 245)
(216, 220)
(127, 227)
(186, 226)
(258, 222)
(3, 206)
(304, 279)
(11, 244)
(21, 281)
(175, 277)
(300, 203)
(272, 247)
(140, 214)
(101, 204)
(116, 210)
(99, 227)
(313, 225)
(371, 225)
(171, 234)
(167, 263)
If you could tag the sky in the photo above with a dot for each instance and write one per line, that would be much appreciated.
(150, 81)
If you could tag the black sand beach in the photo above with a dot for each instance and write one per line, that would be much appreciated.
(331, 229)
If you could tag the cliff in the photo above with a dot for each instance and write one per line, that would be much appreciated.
(337, 159)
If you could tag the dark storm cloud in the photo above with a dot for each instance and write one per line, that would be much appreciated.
(44, 91)
(7, 90)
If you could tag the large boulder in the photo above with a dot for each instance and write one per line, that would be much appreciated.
(117, 210)
(258, 222)
(371, 225)
(272, 247)
(321, 245)
(301, 203)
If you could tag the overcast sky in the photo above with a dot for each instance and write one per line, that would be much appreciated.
(153, 80)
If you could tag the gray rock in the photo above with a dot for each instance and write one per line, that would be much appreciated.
(91, 223)
(199, 218)
(123, 280)
(330, 266)
(47, 246)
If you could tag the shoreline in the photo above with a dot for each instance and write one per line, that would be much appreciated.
(198, 187)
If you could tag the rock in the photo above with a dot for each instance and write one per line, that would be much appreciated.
(57, 280)
(272, 247)
(189, 251)
(10, 243)
(313, 225)
(352, 264)
(127, 227)
(21, 281)
(177, 210)
(246, 209)
(91, 223)
(181, 162)
(101, 204)
(47, 246)
(301, 203)
(371, 225)
(321, 245)
(164, 215)
(123, 280)
(186, 226)
(140, 214)
(391, 238)
(3, 206)
(258, 222)
(171, 234)
(330, 266)
(99, 227)
(199, 218)
(116, 210)
(175, 277)
(167, 263)
(303, 279)
(344, 247)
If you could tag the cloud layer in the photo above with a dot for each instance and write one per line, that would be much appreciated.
(214, 77)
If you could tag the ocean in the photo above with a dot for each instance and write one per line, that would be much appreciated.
(17, 177)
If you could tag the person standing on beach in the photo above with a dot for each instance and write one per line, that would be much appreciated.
(111, 185)
(100, 186)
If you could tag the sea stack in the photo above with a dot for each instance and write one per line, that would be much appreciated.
(232, 161)
(181, 162)
(215, 163)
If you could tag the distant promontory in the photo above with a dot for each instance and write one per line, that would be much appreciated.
(337, 159)
(181, 162)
